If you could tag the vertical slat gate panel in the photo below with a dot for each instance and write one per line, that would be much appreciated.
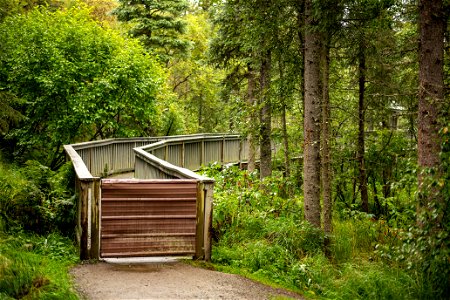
(148, 217)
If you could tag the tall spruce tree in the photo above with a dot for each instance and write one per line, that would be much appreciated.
(431, 81)
(311, 161)
(158, 23)
(245, 41)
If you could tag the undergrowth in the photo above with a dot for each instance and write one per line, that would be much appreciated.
(36, 223)
(259, 232)
(36, 267)
(37, 199)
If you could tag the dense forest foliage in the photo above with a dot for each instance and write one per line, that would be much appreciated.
(344, 103)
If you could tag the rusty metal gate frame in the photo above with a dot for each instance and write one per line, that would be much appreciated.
(149, 218)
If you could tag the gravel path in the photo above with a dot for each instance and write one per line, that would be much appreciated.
(166, 279)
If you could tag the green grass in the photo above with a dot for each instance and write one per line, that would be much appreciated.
(371, 280)
(36, 267)
(352, 271)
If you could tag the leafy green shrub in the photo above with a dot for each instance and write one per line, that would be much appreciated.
(424, 248)
(77, 80)
(37, 198)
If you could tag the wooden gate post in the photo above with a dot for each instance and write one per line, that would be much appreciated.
(204, 219)
(200, 226)
(88, 226)
(208, 215)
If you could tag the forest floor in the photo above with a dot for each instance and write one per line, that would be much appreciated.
(166, 279)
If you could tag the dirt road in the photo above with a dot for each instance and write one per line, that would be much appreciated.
(167, 279)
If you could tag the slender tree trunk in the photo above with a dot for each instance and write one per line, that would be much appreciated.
(311, 170)
(200, 113)
(386, 173)
(265, 118)
(301, 37)
(251, 120)
(387, 177)
(361, 121)
(287, 164)
(326, 159)
(284, 125)
(354, 189)
(431, 82)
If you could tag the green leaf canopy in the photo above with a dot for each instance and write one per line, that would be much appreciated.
(78, 81)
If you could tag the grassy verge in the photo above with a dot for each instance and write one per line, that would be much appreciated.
(36, 267)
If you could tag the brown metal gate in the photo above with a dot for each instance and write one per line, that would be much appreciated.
(148, 217)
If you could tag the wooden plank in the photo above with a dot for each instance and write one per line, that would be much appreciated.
(145, 253)
(122, 199)
(137, 217)
(138, 235)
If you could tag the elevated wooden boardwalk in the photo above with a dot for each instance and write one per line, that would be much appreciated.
(150, 161)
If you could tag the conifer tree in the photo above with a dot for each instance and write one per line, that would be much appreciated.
(311, 186)
(157, 23)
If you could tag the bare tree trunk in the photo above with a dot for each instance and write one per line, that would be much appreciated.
(252, 121)
(361, 121)
(387, 177)
(200, 114)
(265, 118)
(284, 125)
(287, 164)
(386, 172)
(311, 170)
(301, 36)
(431, 82)
(326, 159)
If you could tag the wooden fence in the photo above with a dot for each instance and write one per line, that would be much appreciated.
(148, 158)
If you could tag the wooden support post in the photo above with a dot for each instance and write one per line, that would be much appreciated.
(89, 218)
(95, 218)
(83, 219)
(240, 152)
(222, 154)
(202, 153)
(182, 155)
(208, 214)
(166, 152)
(199, 233)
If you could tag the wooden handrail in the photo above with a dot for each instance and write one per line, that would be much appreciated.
(105, 157)
(170, 169)
(80, 167)
(201, 157)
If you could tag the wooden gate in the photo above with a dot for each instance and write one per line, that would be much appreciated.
(148, 217)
